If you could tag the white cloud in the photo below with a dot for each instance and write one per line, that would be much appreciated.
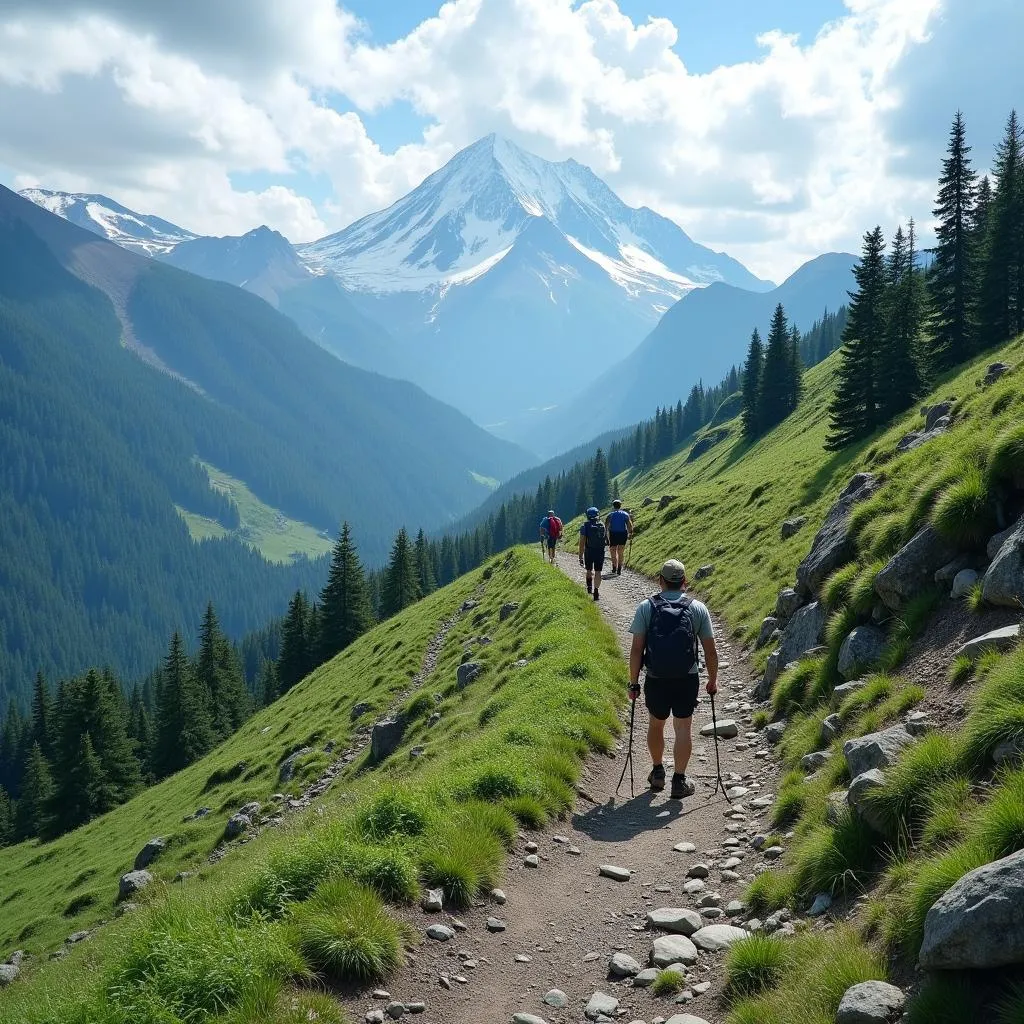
(776, 159)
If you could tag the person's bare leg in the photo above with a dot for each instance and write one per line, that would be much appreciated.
(656, 739)
(597, 580)
(682, 748)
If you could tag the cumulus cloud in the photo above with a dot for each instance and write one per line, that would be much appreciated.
(776, 159)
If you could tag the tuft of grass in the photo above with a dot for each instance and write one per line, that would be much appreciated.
(975, 598)
(949, 814)
(760, 719)
(755, 964)
(997, 711)
(999, 824)
(771, 890)
(942, 1000)
(963, 514)
(790, 690)
(668, 983)
(862, 593)
(791, 799)
(802, 737)
(1006, 463)
(1011, 1007)
(960, 669)
(833, 858)
(463, 857)
(836, 590)
(496, 819)
(908, 627)
(393, 812)
(345, 933)
(528, 810)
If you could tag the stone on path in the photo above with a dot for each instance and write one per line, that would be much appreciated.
(998, 640)
(395, 1010)
(695, 885)
(622, 965)
(498, 896)
(527, 1018)
(963, 582)
(773, 853)
(715, 937)
(433, 900)
(737, 792)
(680, 920)
(685, 1018)
(601, 1005)
(646, 977)
(532, 861)
(440, 932)
(495, 924)
(673, 949)
(557, 998)
(698, 871)
(876, 750)
(684, 848)
(870, 1002)
(727, 729)
(614, 872)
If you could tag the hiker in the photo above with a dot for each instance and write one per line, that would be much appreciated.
(620, 530)
(550, 531)
(666, 628)
(593, 538)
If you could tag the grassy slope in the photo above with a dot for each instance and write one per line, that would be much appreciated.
(487, 744)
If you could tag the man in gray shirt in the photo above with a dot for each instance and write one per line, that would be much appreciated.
(666, 629)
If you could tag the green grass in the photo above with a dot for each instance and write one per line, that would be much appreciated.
(943, 1000)
(1011, 1007)
(277, 537)
(668, 983)
(960, 669)
(997, 709)
(755, 964)
(964, 513)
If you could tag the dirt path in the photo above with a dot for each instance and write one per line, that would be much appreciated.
(564, 921)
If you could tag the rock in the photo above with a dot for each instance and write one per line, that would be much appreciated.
(963, 582)
(622, 965)
(149, 853)
(812, 762)
(433, 900)
(772, 668)
(774, 731)
(557, 998)
(998, 640)
(715, 937)
(666, 500)
(8, 974)
(912, 569)
(440, 933)
(498, 896)
(531, 860)
(876, 750)
(495, 924)
(791, 527)
(698, 871)
(736, 792)
(288, 764)
(184, 876)
(132, 883)
(386, 736)
(684, 847)
(469, 605)
(917, 723)
(704, 572)
(997, 540)
(467, 673)
(948, 572)
(521, 663)
(601, 1005)
(647, 502)
(936, 412)
(706, 443)
(508, 609)
(416, 1007)
(787, 604)
(527, 1018)
(803, 632)
(735, 907)
(417, 751)
(831, 727)
(673, 949)
(694, 886)
(616, 873)
(395, 1010)
(832, 545)
(769, 627)
(685, 1018)
(978, 922)
(646, 977)
(727, 729)
(374, 1017)
(360, 709)
(822, 903)
(761, 802)
(772, 853)
(1008, 750)
(1004, 578)
(994, 372)
(862, 649)
(858, 797)
(679, 920)
(843, 690)
(870, 1002)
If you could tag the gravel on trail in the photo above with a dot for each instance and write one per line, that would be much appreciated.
(564, 921)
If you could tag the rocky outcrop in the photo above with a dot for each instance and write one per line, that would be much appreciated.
(787, 604)
(508, 609)
(948, 572)
(876, 750)
(772, 668)
(149, 853)
(467, 673)
(933, 413)
(871, 1002)
(1004, 579)
(997, 540)
(831, 727)
(803, 632)
(979, 922)
(862, 649)
(832, 545)
(997, 640)
(236, 825)
(360, 709)
(665, 501)
(706, 443)
(386, 736)
(704, 572)
(791, 527)
(912, 568)
(994, 372)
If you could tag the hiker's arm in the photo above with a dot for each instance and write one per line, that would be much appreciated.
(582, 545)
(629, 525)
(711, 661)
(636, 657)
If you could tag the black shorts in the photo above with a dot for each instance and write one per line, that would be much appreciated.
(671, 697)
(552, 541)
(593, 559)
(618, 540)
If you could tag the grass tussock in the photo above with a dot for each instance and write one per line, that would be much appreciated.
(755, 964)
(463, 857)
(960, 670)
(668, 983)
(997, 710)
(1011, 1007)
(964, 513)
(942, 1000)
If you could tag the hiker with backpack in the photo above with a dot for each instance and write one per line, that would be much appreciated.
(619, 524)
(550, 531)
(593, 539)
(666, 629)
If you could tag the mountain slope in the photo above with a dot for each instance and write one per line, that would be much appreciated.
(699, 338)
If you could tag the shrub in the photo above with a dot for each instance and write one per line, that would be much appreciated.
(392, 812)
(463, 857)
(942, 1000)
(963, 515)
(495, 783)
(836, 590)
(668, 983)
(755, 964)
(345, 933)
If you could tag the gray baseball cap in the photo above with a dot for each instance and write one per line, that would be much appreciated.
(673, 571)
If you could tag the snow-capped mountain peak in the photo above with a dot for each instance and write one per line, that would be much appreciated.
(150, 236)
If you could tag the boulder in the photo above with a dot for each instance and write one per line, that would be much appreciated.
(703, 572)
(998, 640)
(803, 632)
(679, 920)
(772, 668)
(979, 922)
(622, 965)
(466, 673)
(862, 649)
(948, 572)
(858, 797)
(469, 605)
(774, 731)
(251, 810)
(673, 949)
(386, 736)
(832, 545)
(601, 1005)
(614, 872)
(8, 974)
(132, 883)
(791, 527)
(666, 500)
(870, 1002)
(647, 501)
(787, 604)
(236, 825)
(715, 937)
(831, 727)
(360, 709)
(912, 568)
(843, 690)
(876, 750)
(769, 626)
(726, 728)
(287, 771)
(963, 582)
(149, 853)
(937, 412)
(994, 372)
(997, 540)
(1004, 578)
(433, 900)
(815, 760)
(508, 609)
(917, 723)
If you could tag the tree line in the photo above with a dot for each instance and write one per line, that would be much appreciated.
(907, 325)
(772, 376)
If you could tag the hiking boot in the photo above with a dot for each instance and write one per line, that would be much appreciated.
(681, 787)
(596, 595)
(656, 780)
(590, 586)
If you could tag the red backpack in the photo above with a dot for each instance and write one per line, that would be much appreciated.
(554, 527)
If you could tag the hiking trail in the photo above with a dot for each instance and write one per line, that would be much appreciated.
(562, 921)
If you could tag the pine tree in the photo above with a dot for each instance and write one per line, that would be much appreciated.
(600, 481)
(401, 584)
(296, 659)
(854, 409)
(899, 381)
(952, 280)
(424, 565)
(6, 818)
(344, 602)
(981, 221)
(1001, 313)
(219, 673)
(42, 715)
(268, 684)
(774, 394)
(32, 815)
(141, 730)
(795, 370)
(752, 370)
(85, 795)
(184, 729)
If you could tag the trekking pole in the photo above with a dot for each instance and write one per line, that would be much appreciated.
(718, 764)
(629, 557)
(629, 754)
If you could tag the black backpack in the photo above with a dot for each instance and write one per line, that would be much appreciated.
(671, 644)
(595, 535)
